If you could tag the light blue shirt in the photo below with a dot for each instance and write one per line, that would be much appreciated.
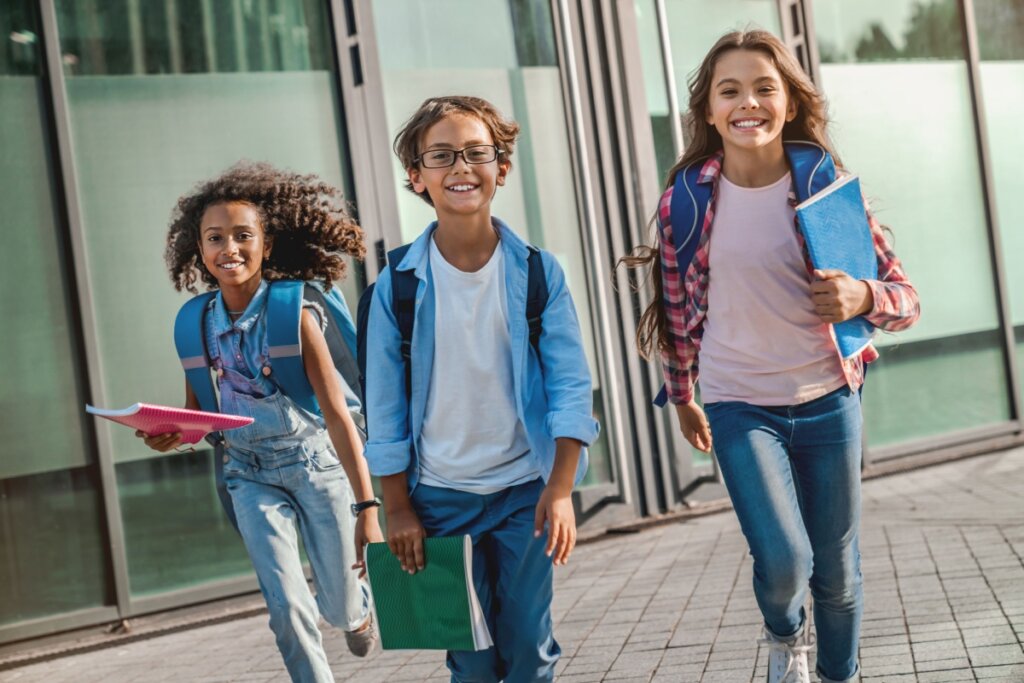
(553, 394)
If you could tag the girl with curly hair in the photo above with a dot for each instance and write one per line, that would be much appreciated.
(291, 467)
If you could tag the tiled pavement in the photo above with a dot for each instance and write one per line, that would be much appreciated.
(944, 583)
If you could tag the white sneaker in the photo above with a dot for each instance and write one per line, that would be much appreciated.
(787, 661)
(362, 642)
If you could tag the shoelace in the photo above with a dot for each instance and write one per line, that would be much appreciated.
(791, 653)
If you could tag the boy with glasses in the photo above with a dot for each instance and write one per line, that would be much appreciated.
(488, 438)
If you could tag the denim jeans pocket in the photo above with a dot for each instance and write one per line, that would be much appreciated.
(325, 461)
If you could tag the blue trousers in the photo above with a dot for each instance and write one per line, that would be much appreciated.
(512, 575)
(793, 474)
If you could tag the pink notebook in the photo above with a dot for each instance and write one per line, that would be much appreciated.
(154, 420)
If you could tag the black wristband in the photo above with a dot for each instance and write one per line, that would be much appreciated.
(365, 505)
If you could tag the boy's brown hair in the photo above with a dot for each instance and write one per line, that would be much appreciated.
(503, 131)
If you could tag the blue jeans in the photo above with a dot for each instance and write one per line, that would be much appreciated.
(314, 496)
(793, 473)
(512, 576)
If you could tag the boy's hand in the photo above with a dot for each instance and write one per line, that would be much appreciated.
(555, 507)
(367, 531)
(405, 538)
(838, 297)
(160, 442)
(694, 425)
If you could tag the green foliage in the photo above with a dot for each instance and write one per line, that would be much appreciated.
(934, 31)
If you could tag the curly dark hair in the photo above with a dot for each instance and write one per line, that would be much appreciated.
(308, 220)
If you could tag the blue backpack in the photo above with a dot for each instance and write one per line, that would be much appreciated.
(284, 308)
(813, 170)
(403, 303)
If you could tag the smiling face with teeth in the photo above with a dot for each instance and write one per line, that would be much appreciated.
(462, 190)
(234, 245)
(749, 103)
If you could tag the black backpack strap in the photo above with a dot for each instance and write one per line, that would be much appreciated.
(536, 297)
(403, 305)
(362, 330)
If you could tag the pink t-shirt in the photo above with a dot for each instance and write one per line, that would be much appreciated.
(763, 343)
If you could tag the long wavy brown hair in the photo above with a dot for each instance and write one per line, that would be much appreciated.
(307, 219)
(704, 140)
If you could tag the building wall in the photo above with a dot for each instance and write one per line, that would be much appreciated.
(110, 111)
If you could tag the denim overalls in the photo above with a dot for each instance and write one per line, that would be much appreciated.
(282, 473)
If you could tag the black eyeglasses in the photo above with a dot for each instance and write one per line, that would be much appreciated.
(442, 158)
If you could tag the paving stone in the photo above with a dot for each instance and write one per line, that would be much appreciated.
(944, 587)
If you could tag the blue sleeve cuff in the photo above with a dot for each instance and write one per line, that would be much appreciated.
(385, 459)
(579, 426)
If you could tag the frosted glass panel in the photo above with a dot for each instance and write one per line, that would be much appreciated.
(159, 103)
(177, 131)
(899, 97)
(52, 544)
(695, 25)
(39, 393)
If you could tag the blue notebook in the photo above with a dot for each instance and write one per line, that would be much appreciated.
(835, 227)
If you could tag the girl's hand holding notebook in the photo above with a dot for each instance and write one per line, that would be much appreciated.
(164, 421)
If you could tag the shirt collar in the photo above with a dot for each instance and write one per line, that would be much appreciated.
(221, 321)
(711, 169)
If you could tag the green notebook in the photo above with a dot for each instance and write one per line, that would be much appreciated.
(435, 608)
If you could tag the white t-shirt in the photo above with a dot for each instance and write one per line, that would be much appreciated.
(763, 343)
(472, 438)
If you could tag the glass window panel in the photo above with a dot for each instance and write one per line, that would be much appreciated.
(54, 552)
(1001, 44)
(439, 48)
(693, 27)
(50, 507)
(881, 60)
(148, 123)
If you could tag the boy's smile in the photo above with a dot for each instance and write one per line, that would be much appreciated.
(462, 189)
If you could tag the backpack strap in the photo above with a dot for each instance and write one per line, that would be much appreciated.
(403, 304)
(284, 311)
(341, 350)
(190, 342)
(812, 166)
(687, 210)
(689, 205)
(536, 297)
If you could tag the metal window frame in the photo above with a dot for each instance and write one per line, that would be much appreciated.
(67, 171)
(588, 45)
(796, 21)
(973, 59)
(352, 105)
(360, 85)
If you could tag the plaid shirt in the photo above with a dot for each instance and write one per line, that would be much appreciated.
(895, 308)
